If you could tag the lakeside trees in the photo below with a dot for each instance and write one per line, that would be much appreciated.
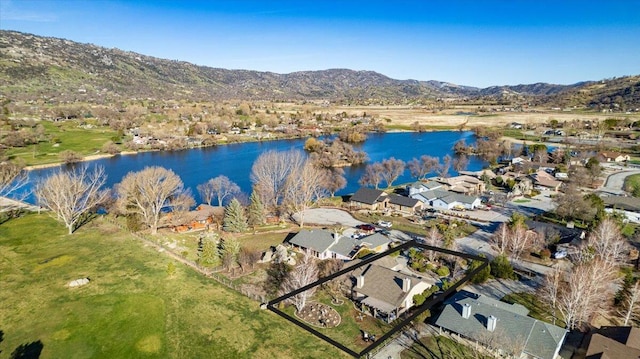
(270, 172)
(220, 187)
(71, 195)
(148, 192)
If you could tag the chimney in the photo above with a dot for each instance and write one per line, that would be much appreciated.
(336, 237)
(466, 311)
(406, 285)
(491, 323)
(360, 281)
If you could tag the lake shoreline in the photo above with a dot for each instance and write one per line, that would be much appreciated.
(106, 155)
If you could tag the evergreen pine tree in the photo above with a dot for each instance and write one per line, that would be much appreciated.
(208, 252)
(234, 218)
(256, 210)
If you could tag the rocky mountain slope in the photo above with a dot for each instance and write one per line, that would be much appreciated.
(42, 67)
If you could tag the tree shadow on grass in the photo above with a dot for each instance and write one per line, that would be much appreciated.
(28, 351)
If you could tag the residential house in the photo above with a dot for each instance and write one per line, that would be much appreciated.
(613, 157)
(500, 325)
(324, 244)
(485, 173)
(543, 180)
(369, 198)
(421, 186)
(628, 206)
(404, 204)
(198, 219)
(462, 184)
(446, 200)
(611, 342)
(386, 293)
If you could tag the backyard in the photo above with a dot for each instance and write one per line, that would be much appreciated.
(135, 305)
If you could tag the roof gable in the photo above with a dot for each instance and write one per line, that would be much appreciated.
(318, 240)
(367, 195)
(539, 339)
(385, 285)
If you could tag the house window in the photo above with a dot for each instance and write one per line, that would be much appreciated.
(333, 255)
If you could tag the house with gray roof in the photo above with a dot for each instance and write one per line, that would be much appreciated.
(385, 293)
(323, 244)
(500, 326)
(403, 203)
(422, 186)
(369, 198)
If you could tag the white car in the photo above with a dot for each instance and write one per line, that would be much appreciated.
(560, 254)
(385, 224)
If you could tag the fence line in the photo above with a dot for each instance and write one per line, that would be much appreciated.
(207, 272)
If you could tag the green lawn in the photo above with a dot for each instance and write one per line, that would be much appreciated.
(632, 184)
(131, 308)
(70, 136)
(440, 347)
(537, 309)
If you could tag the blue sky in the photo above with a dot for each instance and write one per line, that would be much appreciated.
(476, 43)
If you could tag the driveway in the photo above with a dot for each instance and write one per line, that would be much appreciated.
(328, 217)
(332, 216)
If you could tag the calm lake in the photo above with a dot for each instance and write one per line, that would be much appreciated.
(196, 166)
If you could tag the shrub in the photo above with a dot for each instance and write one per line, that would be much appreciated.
(545, 254)
(443, 271)
(501, 268)
(481, 276)
(171, 269)
(69, 156)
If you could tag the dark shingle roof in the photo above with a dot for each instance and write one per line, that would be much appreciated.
(540, 339)
(402, 200)
(385, 285)
(627, 203)
(367, 195)
(318, 240)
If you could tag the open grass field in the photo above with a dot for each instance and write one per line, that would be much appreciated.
(131, 308)
(68, 136)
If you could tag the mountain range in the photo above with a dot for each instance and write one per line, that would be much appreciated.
(59, 70)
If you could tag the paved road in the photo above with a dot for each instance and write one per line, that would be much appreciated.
(615, 181)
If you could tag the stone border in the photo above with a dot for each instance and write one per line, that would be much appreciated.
(317, 326)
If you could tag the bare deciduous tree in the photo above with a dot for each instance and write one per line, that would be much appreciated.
(372, 175)
(12, 179)
(420, 168)
(149, 192)
(270, 172)
(304, 273)
(220, 187)
(392, 169)
(303, 186)
(444, 166)
(434, 239)
(607, 242)
(71, 195)
(460, 163)
(334, 180)
(549, 291)
(582, 294)
(500, 238)
(630, 303)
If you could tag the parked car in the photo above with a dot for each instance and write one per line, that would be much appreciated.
(367, 227)
(559, 254)
(385, 224)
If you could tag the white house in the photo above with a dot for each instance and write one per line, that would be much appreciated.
(324, 244)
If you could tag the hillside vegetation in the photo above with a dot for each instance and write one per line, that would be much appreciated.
(34, 67)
